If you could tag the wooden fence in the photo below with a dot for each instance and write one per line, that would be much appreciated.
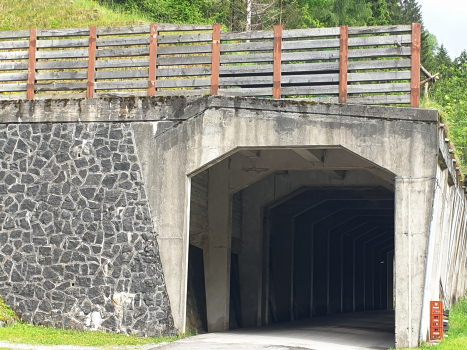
(369, 65)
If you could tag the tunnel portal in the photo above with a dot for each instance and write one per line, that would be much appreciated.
(301, 243)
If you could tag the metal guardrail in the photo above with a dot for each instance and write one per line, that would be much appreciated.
(368, 65)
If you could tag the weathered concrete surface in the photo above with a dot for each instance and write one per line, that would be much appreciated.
(178, 108)
(177, 137)
(361, 331)
(380, 136)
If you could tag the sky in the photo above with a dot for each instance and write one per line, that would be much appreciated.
(447, 20)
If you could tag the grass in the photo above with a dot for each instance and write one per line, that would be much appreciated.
(457, 339)
(24, 14)
(38, 335)
(6, 313)
(444, 118)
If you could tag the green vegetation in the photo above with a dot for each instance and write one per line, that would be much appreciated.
(6, 313)
(24, 14)
(28, 334)
(21, 332)
(457, 329)
(450, 93)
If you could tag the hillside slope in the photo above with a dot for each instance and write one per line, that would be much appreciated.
(24, 14)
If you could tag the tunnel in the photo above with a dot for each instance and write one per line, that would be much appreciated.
(284, 235)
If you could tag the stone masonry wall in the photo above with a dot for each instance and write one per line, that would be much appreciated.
(77, 245)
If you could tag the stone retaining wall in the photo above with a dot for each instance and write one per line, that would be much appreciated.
(77, 244)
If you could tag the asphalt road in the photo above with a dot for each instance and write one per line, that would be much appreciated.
(373, 330)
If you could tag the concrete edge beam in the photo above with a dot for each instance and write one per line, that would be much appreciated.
(179, 108)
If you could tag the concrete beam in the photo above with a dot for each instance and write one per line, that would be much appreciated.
(217, 255)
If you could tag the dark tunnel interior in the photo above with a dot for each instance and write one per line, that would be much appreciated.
(331, 252)
(327, 250)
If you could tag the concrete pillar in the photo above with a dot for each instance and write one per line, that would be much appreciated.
(414, 203)
(217, 255)
(251, 257)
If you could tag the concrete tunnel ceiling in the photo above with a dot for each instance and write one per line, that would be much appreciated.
(287, 244)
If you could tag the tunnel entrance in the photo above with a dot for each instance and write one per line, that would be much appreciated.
(288, 235)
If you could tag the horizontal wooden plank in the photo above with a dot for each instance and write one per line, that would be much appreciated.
(141, 29)
(127, 52)
(310, 67)
(179, 83)
(13, 87)
(119, 85)
(310, 56)
(63, 95)
(123, 63)
(122, 74)
(60, 86)
(14, 55)
(76, 75)
(310, 33)
(380, 29)
(13, 97)
(143, 84)
(380, 40)
(72, 64)
(192, 92)
(14, 45)
(13, 76)
(234, 81)
(63, 32)
(382, 64)
(176, 72)
(184, 38)
(246, 92)
(64, 43)
(123, 41)
(311, 90)
(251, 46)
(310, 44)
(378, 76)
(189, 60)
(253, 35)
(15, 34)
(386, 52)
(185, 49)
(121, 94)
(146, 29)
(316, 99)
(8, 66)
(247, 58)
(312, 78)
(170, 27)
(250, 69)
(380, 100)
(62, 54)
(382, 88)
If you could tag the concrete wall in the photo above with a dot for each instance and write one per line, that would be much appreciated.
(173, 139)
(380, 136)
(447, 253)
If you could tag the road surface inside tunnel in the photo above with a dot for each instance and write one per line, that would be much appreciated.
(369, 330)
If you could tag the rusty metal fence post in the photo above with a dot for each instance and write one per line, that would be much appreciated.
(416, 61)
(32, 63)
(216, 57)
(344, 64)
(153, 60)
(92, 61)
(277, 61)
